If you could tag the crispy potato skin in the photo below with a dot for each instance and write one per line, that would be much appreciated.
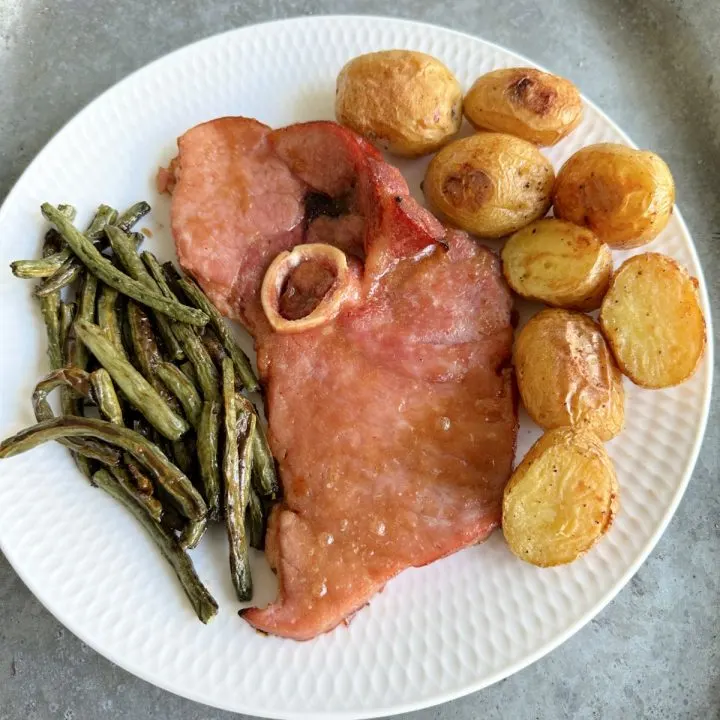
(561, 499)
(533, 105)
(489, 184)
(625, 196)
(558, 263)
(653, 322)
(406, 102)
(566, 374)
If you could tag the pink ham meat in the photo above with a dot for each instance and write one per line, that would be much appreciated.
(393, 420)
(235, 206)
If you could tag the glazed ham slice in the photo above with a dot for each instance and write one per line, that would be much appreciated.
(382, 347)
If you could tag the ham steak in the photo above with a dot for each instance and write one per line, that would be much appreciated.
(383, 342)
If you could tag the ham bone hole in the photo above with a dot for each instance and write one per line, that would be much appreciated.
(305, 288)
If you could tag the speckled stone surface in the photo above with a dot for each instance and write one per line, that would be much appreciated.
(655, 651)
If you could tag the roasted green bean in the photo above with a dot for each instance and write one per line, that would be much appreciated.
(150, 504)
(65, 275)
(50, 305)
(144, 345)
(185, 496)
(217, 352)
(170, 342)
(86, 301)
(72, 380)
(53, 256)
(29, 269)
(265, 477)
(135, 387)
(85, 311)
(205, 370)
(237, 465)
(104, 216)
(106, 397)
(153, 266)
(50, 309)
(208, 433)
(172, 278)
(105, 271)
(192, 533)
(146, 351)
(72, 377)
(130, 217)
(124, 248)
(71, 402)
(184, 390)
(67, 316)
(203, 603)
(215, 349)
(239, 358)
(108, 317)
(264, 473)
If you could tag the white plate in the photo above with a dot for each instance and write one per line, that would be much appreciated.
(435, 633)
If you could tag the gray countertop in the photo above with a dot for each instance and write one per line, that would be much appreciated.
(654, 66)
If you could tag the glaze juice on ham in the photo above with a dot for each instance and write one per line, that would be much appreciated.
(393, 420)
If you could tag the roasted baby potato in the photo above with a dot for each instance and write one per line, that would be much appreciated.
(652, 320)
(561, 499)
(489, 184)
(534, 105)
(625, 196)
(566, 374)
(404, 101)
(559, 264)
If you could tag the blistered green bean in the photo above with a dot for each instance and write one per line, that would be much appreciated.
(239, 358)
(205, 370)
(150, 504)
(237, 465)
(130, 217)
(106, 397)
(208, 448)
(184, 390)
(203, 603)
(134, 386)
(109, 317)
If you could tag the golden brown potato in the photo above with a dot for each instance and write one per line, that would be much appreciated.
(652, 320)
(534, 105)
(566, 374)
(404, 101)
(558, 263)
(561, 499)
(489, 184)
(625, 196)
